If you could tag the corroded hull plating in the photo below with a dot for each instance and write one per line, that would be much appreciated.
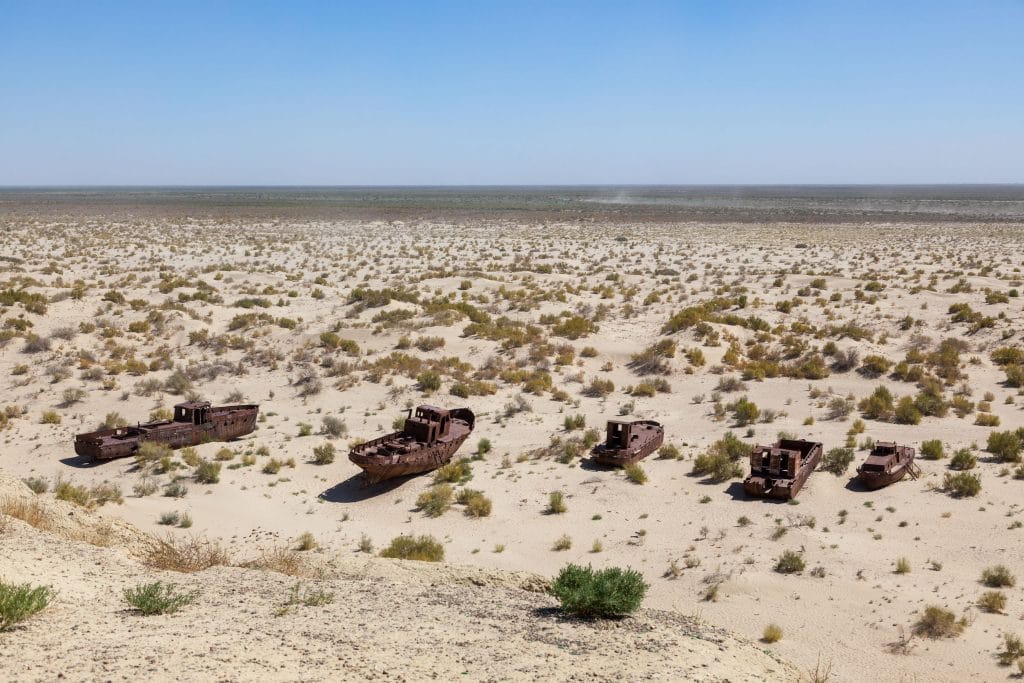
(225, 423)
(651, 436)
(394, 455)
(893, 472)
(784, 488)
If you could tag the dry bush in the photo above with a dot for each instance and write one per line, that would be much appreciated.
(283, 560)
(186, 555)
(32, 512)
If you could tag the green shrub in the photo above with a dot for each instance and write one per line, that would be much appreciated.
(65, 490)
(635, 473)
(19, 602)
(993, 602)
(1004, 446)
(37, 484)
(458, 472)
(208, 472)
(790, 562)
(938, 622)
(1013, 651)
(907, 412)
(998, 576)
(423, 548)
(932, 449)
(610, 592)
(50, 417)
(436, 500)
(324, 454)
(477, 504)
(963, 459)
(574, 422)
(429, 381)
(875, 365)
(961, 484)
(745, 412)
(717, 466)
(878, 406)
(837, 460)
(556, 503)
(157, 598)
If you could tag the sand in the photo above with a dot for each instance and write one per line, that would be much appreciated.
(629, 280)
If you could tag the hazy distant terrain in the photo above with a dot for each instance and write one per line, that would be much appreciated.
(710, 203)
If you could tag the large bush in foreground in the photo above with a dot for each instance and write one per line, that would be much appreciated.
(608, 592)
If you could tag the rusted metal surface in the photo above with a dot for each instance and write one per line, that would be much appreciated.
(628, 442)
(886, 464)
(780, 470)
(428, 440)
(194, 423)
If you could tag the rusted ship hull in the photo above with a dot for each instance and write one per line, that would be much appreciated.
(873, 480)
(886, 465)
(225, 423)
(396, 455)
(762, 485)
(650, 436)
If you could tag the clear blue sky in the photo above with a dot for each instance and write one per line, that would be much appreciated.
(511, 93)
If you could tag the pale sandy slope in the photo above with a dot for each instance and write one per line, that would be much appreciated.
(390, 620)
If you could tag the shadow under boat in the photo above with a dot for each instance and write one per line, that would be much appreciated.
(80, 461)
(354, 489)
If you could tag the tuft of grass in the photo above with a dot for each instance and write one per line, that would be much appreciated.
(586, 592)
(938, 622)
(564, 542)
(422, 548)
(932, 450)
(477, 504)
(961, 484)
(37, 484)
(157, 598)
(308, 597)
(306, 542)
(1013, 651)
(998, 576)
(902, 565)
(18, 602)
(208, 472)
(790, 562)
(436, 500)
(458, 472)
(324, 454)
(556, 503)
(65, 490)
(635, 473)
(993, 602)
(772, 633)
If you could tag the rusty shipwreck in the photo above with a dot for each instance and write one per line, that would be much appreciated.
(428, 440)
(194, 423)
(886, 464)
(780, 470)
(628, 442)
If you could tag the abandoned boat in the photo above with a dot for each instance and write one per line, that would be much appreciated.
(194, 423)
(628, 442)
(886, 464)
(428, 440)
(780, 470)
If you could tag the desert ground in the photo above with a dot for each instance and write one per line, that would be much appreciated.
(546, 329)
